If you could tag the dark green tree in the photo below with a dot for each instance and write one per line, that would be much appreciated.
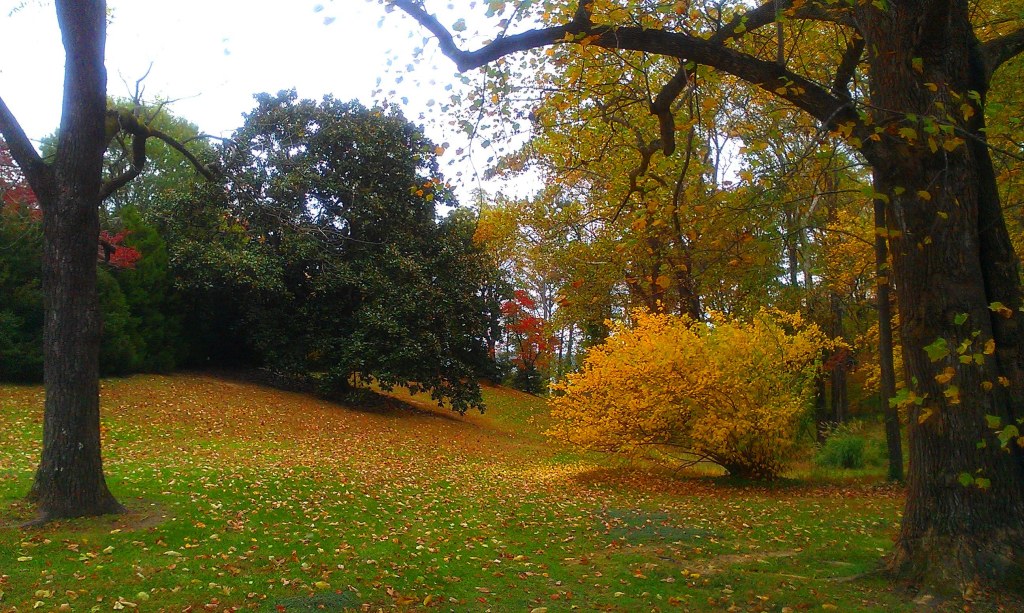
(329, 244)
(21, 296)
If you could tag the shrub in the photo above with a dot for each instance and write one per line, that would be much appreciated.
(728, 391)
(845, 447)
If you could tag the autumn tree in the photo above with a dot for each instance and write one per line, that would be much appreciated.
(70, 187)
(918, 118)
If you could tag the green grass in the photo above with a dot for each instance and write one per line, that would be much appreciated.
(250, 498)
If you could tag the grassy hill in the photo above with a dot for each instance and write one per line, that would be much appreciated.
(243, 497)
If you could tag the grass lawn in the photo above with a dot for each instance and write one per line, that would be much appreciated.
(244, 497)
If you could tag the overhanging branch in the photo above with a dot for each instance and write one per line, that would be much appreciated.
(37, 172)
(996, 52)
(798, 90)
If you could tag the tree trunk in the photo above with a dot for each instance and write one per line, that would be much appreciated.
(964, 517)
(70, 481)
(840, 400)
(822, 418)
(887, 383)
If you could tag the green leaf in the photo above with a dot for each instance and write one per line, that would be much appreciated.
(937, 350)
(993, 421)
(1009, 433)
(965, 479)
(960, 318)
(983, 483)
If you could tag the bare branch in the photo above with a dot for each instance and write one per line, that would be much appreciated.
(996, 52)
(36, 170)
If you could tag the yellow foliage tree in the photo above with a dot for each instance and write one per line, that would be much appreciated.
(728, 391)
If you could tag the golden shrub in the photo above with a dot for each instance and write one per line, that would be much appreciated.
(729, 391)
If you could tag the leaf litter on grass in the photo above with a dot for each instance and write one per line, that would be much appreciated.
(267, 499)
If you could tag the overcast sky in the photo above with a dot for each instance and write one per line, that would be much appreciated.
(213, 55)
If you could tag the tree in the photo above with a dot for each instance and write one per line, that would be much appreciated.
(918, 118)
(21, 299)
(528, 338)
(335, 204)
(69, 481)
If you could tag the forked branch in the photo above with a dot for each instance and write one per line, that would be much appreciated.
(128, 123)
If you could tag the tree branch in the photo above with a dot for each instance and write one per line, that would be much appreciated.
(798, 90)
(996, 52)
(468, 60)
(662, 108)
(127, 122)
(138, 162)
(37, 172)
(772, 12)
(751, 20)
(847, 68)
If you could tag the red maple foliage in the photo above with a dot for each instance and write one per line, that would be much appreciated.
(16, 196)
(113, 251)
(526, 332)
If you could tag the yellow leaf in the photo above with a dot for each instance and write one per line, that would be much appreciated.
(924, 195)
(950, 144)
(945, 376)
(990, 346)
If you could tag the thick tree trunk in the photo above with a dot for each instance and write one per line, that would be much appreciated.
(70, 481)
(964, 517)
(887, 383)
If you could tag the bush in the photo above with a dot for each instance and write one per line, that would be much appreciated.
(729, 391)
(845, 447)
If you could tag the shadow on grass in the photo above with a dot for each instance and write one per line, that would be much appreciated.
(667, 481)
(139, 514)
(360, 399)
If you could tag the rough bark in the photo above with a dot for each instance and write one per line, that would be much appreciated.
(955, 529)
(70, 480)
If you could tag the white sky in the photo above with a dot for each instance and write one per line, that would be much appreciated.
(213, 55)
